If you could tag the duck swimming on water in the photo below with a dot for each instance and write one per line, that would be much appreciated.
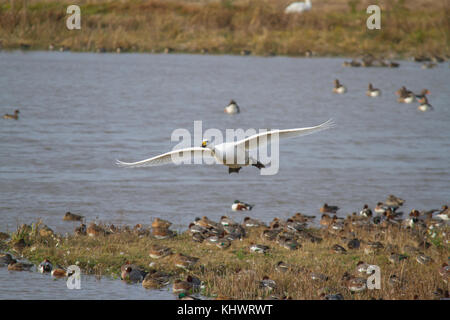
(424, 105)
(232, 108)
(405, 96)
(241, 206)
(328, 209)
(338, 87)
(14, 116)
(373, 92)
(422, 94)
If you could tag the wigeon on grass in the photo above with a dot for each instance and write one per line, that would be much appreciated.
(259, 248)
(252, 223)
(366, 212)
(180, 286)
(158, 251)
(94, 230)
(160, 223)
(162, 233)
(184, 261)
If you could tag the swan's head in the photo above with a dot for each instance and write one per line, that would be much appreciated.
(205, 143)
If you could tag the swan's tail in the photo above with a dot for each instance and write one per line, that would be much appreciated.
(124, 164)
(327, 125)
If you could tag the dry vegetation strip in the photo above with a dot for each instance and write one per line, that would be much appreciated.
(331, 28)
(235, 272)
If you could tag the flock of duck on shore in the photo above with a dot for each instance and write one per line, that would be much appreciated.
(287, 233)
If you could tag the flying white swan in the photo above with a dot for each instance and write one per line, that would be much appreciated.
(228, 153)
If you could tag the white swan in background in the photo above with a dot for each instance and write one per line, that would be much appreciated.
(298, 7)
(233, 149)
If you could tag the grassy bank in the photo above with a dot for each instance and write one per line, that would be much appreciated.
(235, 272)
(229, 26)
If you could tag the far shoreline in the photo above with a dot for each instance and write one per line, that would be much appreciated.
(188, 53)
(229, 27)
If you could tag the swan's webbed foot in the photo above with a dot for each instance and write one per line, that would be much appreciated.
(231, 170)
(259, 165)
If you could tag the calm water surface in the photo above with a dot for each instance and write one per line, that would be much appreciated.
(34, 285)
(81, 111)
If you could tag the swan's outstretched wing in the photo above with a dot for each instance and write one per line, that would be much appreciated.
(261, 139)
(169, 157)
